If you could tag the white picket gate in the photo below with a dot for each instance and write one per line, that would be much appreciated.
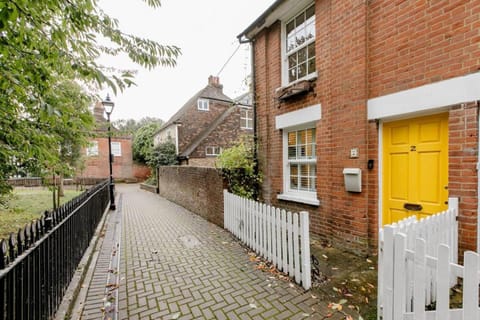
(441, 228)
(444, 272)
(279, 236)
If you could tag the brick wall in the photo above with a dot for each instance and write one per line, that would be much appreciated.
(194, 121)
(340, 88)
(366, 50)
(462, 171)
(141, 172)
(202, 162)
(412, 43)
(98, 166)
(198, 189)
(224, 135)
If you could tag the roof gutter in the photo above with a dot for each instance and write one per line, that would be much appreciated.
(260, 23)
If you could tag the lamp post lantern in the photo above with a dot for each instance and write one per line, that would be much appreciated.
(108, 107)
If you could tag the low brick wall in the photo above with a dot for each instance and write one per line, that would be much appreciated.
(141, 172)
(148, 187)
(198, 189)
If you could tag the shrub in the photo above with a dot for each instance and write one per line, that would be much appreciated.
(238, 167)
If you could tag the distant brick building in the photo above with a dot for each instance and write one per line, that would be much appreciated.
(391, 88)
(96, 155)
(209, 122)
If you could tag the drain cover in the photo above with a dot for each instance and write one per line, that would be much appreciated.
(189, 241)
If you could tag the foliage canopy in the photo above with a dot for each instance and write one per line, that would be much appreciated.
(129, 127)
(48, 54)
(143, 142)
(164, 154)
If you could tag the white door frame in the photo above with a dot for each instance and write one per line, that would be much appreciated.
(424, 100)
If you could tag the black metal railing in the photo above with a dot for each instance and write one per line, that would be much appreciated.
(38, 263)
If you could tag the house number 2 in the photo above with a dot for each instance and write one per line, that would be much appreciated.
(413, 148)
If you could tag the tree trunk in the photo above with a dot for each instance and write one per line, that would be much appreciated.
(53, 193)
(61, 189)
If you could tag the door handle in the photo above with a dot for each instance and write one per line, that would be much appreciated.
(413, 207)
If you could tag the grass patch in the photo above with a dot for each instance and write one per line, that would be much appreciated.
(25, 205)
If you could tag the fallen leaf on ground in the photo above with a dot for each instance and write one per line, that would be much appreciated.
(336, 306)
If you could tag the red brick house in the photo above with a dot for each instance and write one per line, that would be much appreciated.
(96, 155)
(209, 122)
(389, 91)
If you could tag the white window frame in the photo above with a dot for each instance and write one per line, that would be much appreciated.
(92, 149)
(212, 151)
(248, 118)
(293, 121)
(117, 150)
(308, 197)
(285, 72)
(203, 104)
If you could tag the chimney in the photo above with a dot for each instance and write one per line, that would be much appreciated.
(215, 82)
(98, 111)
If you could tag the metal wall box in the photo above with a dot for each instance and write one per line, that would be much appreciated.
(353, 179)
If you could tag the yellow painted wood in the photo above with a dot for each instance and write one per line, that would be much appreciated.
(415, 167)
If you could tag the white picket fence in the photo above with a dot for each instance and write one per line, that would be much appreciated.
(395, 306)
(279, 236)
(441, 228)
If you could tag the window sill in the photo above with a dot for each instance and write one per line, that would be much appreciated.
(295, 198)
(297, 87)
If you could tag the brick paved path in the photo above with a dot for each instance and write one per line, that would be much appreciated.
(175, 265)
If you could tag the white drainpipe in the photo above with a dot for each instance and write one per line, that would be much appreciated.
(176, 138)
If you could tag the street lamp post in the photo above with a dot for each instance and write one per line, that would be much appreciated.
(108, 107)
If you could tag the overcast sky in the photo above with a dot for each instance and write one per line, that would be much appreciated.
(205, 30)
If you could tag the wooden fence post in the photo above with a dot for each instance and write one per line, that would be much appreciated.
(296, 255)
(419, 280)
(305, 250)
(399, 273)
(470, 290)
(453, 205)
(226, 210)
(443, 283)
(387, 272)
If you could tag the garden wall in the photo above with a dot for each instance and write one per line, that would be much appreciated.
(198, 189)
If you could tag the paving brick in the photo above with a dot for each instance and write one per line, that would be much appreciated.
(165, 278)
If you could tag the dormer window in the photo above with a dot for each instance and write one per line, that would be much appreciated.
(202, 104)
(299, 46)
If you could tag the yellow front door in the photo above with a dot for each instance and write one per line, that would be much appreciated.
(415, 167)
